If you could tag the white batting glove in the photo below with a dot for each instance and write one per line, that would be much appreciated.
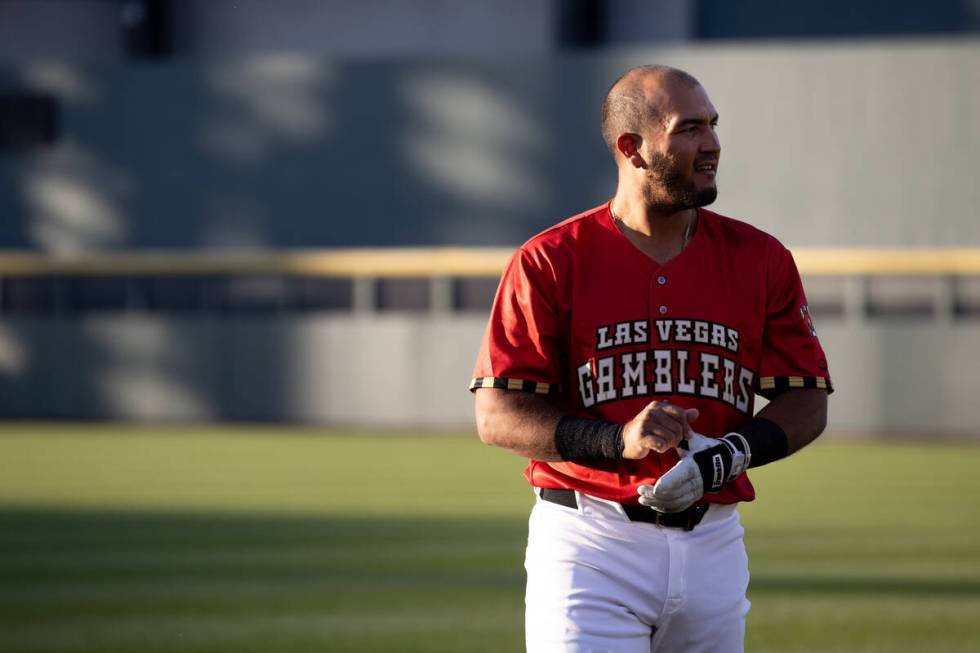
(706, 464)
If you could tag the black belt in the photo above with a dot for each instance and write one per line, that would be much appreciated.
(686, 519)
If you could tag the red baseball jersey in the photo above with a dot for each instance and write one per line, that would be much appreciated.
(585, 316)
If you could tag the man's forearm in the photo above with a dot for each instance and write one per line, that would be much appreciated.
(520, 422)
(801, 413)
(534, 427)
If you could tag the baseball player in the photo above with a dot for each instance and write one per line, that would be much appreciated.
(623, 354)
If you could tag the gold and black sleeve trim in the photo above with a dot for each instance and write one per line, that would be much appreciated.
(514, 384)
(771, 386)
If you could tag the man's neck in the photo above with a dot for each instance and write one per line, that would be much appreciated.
(654, 223)
(661, 235)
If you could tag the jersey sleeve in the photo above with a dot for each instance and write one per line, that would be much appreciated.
(520, 349)
(791, 355)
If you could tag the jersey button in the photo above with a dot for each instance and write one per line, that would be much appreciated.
(661, 279)
(663, 310)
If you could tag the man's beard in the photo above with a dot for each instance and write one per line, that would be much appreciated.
(676, 192)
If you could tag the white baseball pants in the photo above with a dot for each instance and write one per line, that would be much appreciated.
(597, 582)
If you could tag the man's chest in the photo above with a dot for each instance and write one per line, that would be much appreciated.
(692, 330)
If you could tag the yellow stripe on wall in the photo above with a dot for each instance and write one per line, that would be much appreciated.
(440, 261)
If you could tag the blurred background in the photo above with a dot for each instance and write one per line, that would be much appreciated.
(212, 142)
(245, 244)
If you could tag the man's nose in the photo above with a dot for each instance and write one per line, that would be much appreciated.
(711, 143)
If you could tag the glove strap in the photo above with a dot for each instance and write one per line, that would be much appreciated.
(581, 440)
(741, 454)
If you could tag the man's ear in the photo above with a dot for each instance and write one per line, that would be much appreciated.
(628, 145)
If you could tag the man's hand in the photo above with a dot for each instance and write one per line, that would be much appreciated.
(658, 427)
(706, 465)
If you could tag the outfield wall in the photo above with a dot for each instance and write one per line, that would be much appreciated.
(914, 376)
(387, 338)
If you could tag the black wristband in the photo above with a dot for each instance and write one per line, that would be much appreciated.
(579, 439)
(767, 441)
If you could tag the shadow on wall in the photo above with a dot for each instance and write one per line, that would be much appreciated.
(398, 155)
(273, 152)
(288, 151)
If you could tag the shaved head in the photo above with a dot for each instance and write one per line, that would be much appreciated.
(635, 99)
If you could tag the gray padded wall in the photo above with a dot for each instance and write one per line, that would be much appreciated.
(411, 372)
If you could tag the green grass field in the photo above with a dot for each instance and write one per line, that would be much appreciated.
(290, 540)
